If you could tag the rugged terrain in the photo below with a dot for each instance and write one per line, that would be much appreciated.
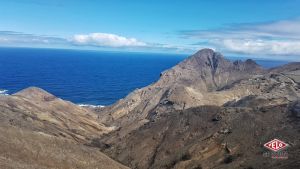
(206, 112)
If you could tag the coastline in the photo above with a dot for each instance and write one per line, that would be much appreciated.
(90, 106)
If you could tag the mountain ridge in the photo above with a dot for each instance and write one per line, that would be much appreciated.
(184, 85)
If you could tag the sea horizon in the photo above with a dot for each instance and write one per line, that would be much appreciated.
(101, 78)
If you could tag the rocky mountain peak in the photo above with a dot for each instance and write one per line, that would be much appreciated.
(250, 62)
(206, 52)
(185, 85)
(209, 59)
(208, 70)
(206, 58)
(206, 61)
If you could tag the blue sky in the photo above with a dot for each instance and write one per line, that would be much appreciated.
(269, 28)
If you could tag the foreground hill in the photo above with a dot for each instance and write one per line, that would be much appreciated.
(207, 112)
(210, 137)
(41, 131)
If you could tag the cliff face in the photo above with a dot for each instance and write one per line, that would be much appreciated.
(206, 112)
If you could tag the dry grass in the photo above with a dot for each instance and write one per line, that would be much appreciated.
(21, 149)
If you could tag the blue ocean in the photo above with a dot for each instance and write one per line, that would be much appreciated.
(85, 77)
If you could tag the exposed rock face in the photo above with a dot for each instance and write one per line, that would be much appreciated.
(209, 71)
(39, 130)
(207, 112)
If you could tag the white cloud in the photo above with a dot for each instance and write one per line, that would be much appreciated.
(262, 47)
(273, 39)
(19, 38)
(284, 28)
(106, 40)
(93, 40)
(117, 41)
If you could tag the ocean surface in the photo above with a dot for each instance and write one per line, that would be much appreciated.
(85, 77)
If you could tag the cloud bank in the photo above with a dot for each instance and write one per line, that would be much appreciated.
(19, 38)
(93, 40)
(276, 40)
(279, 38)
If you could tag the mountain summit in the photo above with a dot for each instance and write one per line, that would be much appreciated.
(211, 70)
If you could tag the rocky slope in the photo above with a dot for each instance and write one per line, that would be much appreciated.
(207, 112)
(39, 130)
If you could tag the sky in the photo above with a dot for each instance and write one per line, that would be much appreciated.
(250, 28)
